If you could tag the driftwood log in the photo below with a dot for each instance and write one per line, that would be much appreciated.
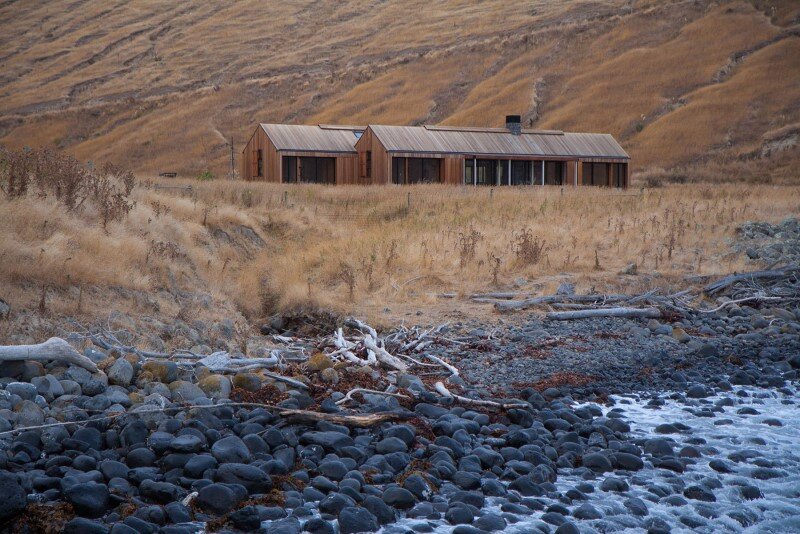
(443, 391)
(54, 349)
(648, 313)
(724, 283)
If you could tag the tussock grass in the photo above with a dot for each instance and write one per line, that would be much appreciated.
(364, 248)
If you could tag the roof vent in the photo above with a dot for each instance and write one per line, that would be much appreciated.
(514, 124)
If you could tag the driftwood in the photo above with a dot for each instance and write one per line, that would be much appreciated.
(352, 392)
(54, 349)
(724, 283)
(442, 390)
(510, 305)
(650, 313)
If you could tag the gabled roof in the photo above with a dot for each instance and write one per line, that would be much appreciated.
(496, 142)
(318, 138)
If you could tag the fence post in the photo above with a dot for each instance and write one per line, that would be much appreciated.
(408, 201)
(286, 198)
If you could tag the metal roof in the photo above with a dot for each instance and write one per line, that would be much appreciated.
(307, 138)
(496, 142)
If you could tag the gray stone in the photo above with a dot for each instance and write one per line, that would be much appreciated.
(230, 449)
(353, 520)
(89, 499)
(597, 462)
(398, 497)
(13, 497)
(23, 390)
(120, 373)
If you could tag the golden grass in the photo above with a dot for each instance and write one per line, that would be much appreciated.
(257, 254)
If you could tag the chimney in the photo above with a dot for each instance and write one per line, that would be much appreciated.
(514, 124)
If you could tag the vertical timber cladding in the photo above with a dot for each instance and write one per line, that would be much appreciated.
(374, 162)
(271, 164)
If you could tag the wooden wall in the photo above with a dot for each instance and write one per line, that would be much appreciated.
(347, 170)
(380, 171)
(272, 160)
(346, 165)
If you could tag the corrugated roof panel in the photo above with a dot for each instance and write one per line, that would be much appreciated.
(306, 138)
(497, 142)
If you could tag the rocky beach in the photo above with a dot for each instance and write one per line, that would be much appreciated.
(685, 422)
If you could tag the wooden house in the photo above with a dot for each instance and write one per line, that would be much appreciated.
(447, 154)
(291, 153)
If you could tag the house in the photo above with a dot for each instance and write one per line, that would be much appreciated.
(290, 153)
(439, 154)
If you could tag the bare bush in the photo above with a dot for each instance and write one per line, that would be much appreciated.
(528, 248)
(75, 186)
(467, 245)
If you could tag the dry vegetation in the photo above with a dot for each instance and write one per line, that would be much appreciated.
(257, 248)
(708, 87)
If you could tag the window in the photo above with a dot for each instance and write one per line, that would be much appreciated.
(423, 170)
(260, 159)
(554, 173)
(398, 170)
(358, 133)
(369, 164)
(315, 170)
(289, 169)
(619, 174)
(469, 171)
(520, 172)
(486, 173)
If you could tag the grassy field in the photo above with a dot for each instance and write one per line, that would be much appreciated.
(701, 86)
(257, 248)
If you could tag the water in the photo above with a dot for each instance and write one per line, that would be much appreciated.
(779, 509)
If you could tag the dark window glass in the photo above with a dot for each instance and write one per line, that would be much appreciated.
(599, 174)
(423, 170)
(469, 171)
(487, 172)
(369, 163)
(398, 170)
(260, 162)
(554, 173)
(520, 172)
(317, 170)
(619, 174)
(289, 169)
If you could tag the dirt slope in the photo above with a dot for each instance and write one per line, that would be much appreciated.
(163, 86)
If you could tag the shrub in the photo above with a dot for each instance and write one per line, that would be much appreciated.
(528, 248)
(52, 173)
(205, 176)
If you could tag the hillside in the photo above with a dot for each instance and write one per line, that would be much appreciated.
(159, 86)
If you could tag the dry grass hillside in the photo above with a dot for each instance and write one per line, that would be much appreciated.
(703, 89)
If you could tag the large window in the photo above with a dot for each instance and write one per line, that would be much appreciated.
(315, 170)
(595, 174)
(369, 163)
(554, 173)
(398, 170)
(289, 164)
(469, 171)
(260, 159)
(520, 172)
(618, 174)
(487, 172)
(421, 170)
